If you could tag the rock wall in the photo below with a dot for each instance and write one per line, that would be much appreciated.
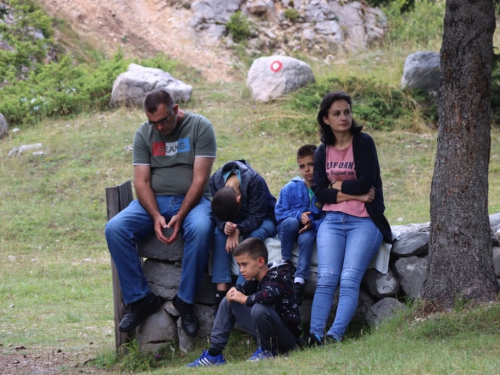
(380, 297)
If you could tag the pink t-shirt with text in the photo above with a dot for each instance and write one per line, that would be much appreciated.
(340, 167)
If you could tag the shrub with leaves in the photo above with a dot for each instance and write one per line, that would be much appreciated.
(376, 105)
(239, 27)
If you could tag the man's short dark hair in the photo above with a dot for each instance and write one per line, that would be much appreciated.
(224, 204)
(157, 97)
(253, 247)
(306, 150)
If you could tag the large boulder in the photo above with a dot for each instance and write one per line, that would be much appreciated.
(132, 86)
(4, 128)
(383, 310)
(152, 247)
(411, 243)
(156, 331)
(421, 71)
(380, 285)
(411, 273)
(273, 76)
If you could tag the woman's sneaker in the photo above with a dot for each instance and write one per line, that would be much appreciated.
(207, 360)
(261, 354)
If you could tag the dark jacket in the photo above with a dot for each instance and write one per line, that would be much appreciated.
(367, 175)
(258, 201)
(293, 201)
(275, 289)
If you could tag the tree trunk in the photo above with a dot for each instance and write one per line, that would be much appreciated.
(460, 255)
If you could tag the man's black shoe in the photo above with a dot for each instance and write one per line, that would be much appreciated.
(189, 321)
(299, 288)
(138, 311)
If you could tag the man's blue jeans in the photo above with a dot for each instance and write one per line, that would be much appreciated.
(288, 231)
(346, 245)
(134, 223)
(221, 265)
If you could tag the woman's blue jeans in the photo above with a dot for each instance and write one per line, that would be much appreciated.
(288, 231)
(132, 224)
(346, 245)
(221, 263)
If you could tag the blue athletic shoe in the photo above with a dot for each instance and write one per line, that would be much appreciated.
(260, 355)
(207, 360)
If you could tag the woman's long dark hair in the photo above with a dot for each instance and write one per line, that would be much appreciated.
(327, 135)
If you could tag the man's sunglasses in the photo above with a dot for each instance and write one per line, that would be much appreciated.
(161, 122)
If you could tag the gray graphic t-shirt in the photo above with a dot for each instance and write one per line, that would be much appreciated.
(172, 156)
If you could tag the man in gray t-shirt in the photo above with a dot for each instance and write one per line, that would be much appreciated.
(173, 155)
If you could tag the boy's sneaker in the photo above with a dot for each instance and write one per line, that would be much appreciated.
(207, 360)
(261, 354)
(299, 289)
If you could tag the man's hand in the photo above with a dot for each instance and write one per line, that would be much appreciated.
(232, 241)
(229, 228)
(306, 227)
(175, 223)
(234, 295)
(160, 224)
(304, 218)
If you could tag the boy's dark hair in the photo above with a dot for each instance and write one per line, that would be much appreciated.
(306, 150)
(224, 204)
(157, 97)
(253, 247)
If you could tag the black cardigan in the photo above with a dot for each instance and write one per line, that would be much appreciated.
(367, 175)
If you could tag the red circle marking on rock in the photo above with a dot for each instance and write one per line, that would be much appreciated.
(276, 66)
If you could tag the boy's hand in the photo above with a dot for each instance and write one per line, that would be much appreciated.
(232, 241)
(306, 227)
(229, 228)
(304, 218)
(234, 295)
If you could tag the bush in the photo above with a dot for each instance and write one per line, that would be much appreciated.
(292, 14)
(375, 104)
(239, 27)
(62, 88)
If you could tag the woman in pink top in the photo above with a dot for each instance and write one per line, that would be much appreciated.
(347, 180)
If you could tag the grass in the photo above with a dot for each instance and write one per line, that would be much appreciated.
(55, 279)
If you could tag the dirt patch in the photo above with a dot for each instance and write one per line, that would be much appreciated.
(143, 28)
(28, 361)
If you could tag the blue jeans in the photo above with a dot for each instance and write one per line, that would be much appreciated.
(134, 223)
(346, 245)
(288, 231)
(221, 270)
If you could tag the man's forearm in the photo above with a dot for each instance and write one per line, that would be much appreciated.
(147, 199)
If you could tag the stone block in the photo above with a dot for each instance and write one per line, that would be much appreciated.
(163, 277)
(383, 310)
(411, 273)
(411, 243)
(152, 248)
(380, 285)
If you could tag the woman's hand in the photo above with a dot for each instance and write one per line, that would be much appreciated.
(368, 197)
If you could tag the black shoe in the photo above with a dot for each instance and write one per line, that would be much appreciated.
(189, 321)
(299, 289)
(138, 311)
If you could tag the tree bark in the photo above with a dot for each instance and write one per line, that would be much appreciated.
(460, 265)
